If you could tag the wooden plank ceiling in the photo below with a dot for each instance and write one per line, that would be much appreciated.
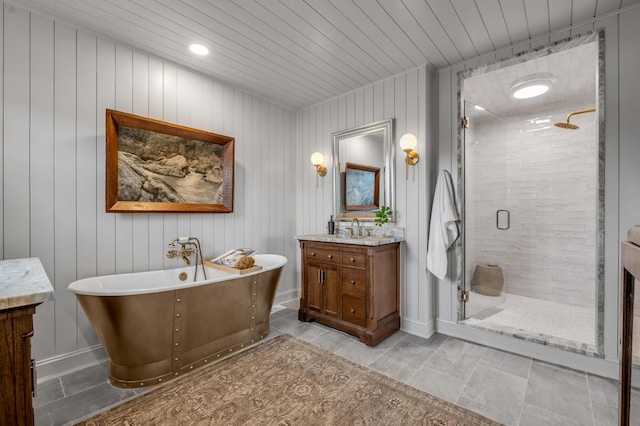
(300, 52)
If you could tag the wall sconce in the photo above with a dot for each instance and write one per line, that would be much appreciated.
(407, 143)
(317, 159)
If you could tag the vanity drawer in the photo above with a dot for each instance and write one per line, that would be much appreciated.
(353, 282)
(353, 310)
(354, 259)
(323, 255)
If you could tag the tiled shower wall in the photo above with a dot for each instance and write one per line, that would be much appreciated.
(549, 184)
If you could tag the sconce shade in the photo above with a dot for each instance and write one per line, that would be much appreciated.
(317, 159)
(408, 141)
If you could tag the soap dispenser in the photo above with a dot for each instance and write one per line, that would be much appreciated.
(331, 226)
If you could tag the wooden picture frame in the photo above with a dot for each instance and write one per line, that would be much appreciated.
(157, 167)
(362, 187)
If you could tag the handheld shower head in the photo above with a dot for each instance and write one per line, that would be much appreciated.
(567, 124)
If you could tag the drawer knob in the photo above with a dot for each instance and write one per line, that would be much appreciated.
(330, 256)
(352, 259)
(352, 282)
(313, 253)
(353, 311)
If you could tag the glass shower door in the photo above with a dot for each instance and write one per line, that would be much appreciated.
(486, 216)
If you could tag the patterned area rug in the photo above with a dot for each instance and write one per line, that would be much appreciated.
(286, 381)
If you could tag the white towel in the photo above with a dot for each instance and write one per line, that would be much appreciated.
(443, 229)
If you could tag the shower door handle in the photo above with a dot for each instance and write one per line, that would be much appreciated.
(508, 216)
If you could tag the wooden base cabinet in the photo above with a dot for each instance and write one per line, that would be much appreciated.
(16, 367)
(353, 288)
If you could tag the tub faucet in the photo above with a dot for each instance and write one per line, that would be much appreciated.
(188, 246)
(357, 222)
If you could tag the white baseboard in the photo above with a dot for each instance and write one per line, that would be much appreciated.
(67, 363)
(416, 328)
(286, 296)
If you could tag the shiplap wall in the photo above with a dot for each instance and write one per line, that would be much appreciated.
(622, 156)
(407, 98)
(57, 83)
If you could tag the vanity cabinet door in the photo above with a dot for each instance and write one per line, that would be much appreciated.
(332, 293)
(314, 286)
(323, 288)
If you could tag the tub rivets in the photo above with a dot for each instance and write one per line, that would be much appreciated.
(253, 317)
(252, 341)
(230, 350)
(176, 374)
(252, 329)
(159, 380)
(242, 346)
(178, 300)
(205, 361)
(177, 329)
(191, 367)
(175, 359)
(176, 343)
(254, 306)
(254, 294)
(218, 356)
(177, 315)
(141, 384)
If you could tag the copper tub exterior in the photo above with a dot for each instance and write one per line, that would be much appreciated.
(154, 337)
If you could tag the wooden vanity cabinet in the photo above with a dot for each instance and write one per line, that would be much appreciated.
(353, 288)
(16, 367)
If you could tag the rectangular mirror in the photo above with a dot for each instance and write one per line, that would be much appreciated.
(363, 177)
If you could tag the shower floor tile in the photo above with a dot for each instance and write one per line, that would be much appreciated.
(531, 317)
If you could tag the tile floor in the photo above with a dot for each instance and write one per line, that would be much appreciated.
(511, 389)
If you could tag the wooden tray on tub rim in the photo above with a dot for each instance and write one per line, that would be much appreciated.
(254, 268)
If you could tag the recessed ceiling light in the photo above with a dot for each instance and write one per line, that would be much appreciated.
(532, 87)
(199, 49)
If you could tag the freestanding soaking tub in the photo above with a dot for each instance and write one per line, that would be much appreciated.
(155, 326)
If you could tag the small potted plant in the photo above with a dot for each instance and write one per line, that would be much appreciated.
(383, 214)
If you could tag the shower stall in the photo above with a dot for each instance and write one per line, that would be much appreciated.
(531, 193)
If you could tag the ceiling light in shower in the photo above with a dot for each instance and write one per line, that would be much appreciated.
(532, 87)
(199, 49)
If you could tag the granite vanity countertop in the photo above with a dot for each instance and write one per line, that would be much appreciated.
(377, 240)
(23, 282)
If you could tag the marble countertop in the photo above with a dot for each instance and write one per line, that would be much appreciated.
(343, 239)
(23, 282)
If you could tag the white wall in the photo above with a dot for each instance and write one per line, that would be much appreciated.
(57, 82)
(407, 98)
(622, 173)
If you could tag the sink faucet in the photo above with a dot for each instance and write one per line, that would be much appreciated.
(357, 222)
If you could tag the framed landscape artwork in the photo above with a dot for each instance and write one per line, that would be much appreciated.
(362, 187)
(157, 167)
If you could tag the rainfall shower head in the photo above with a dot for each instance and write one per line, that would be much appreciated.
(567, 124)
